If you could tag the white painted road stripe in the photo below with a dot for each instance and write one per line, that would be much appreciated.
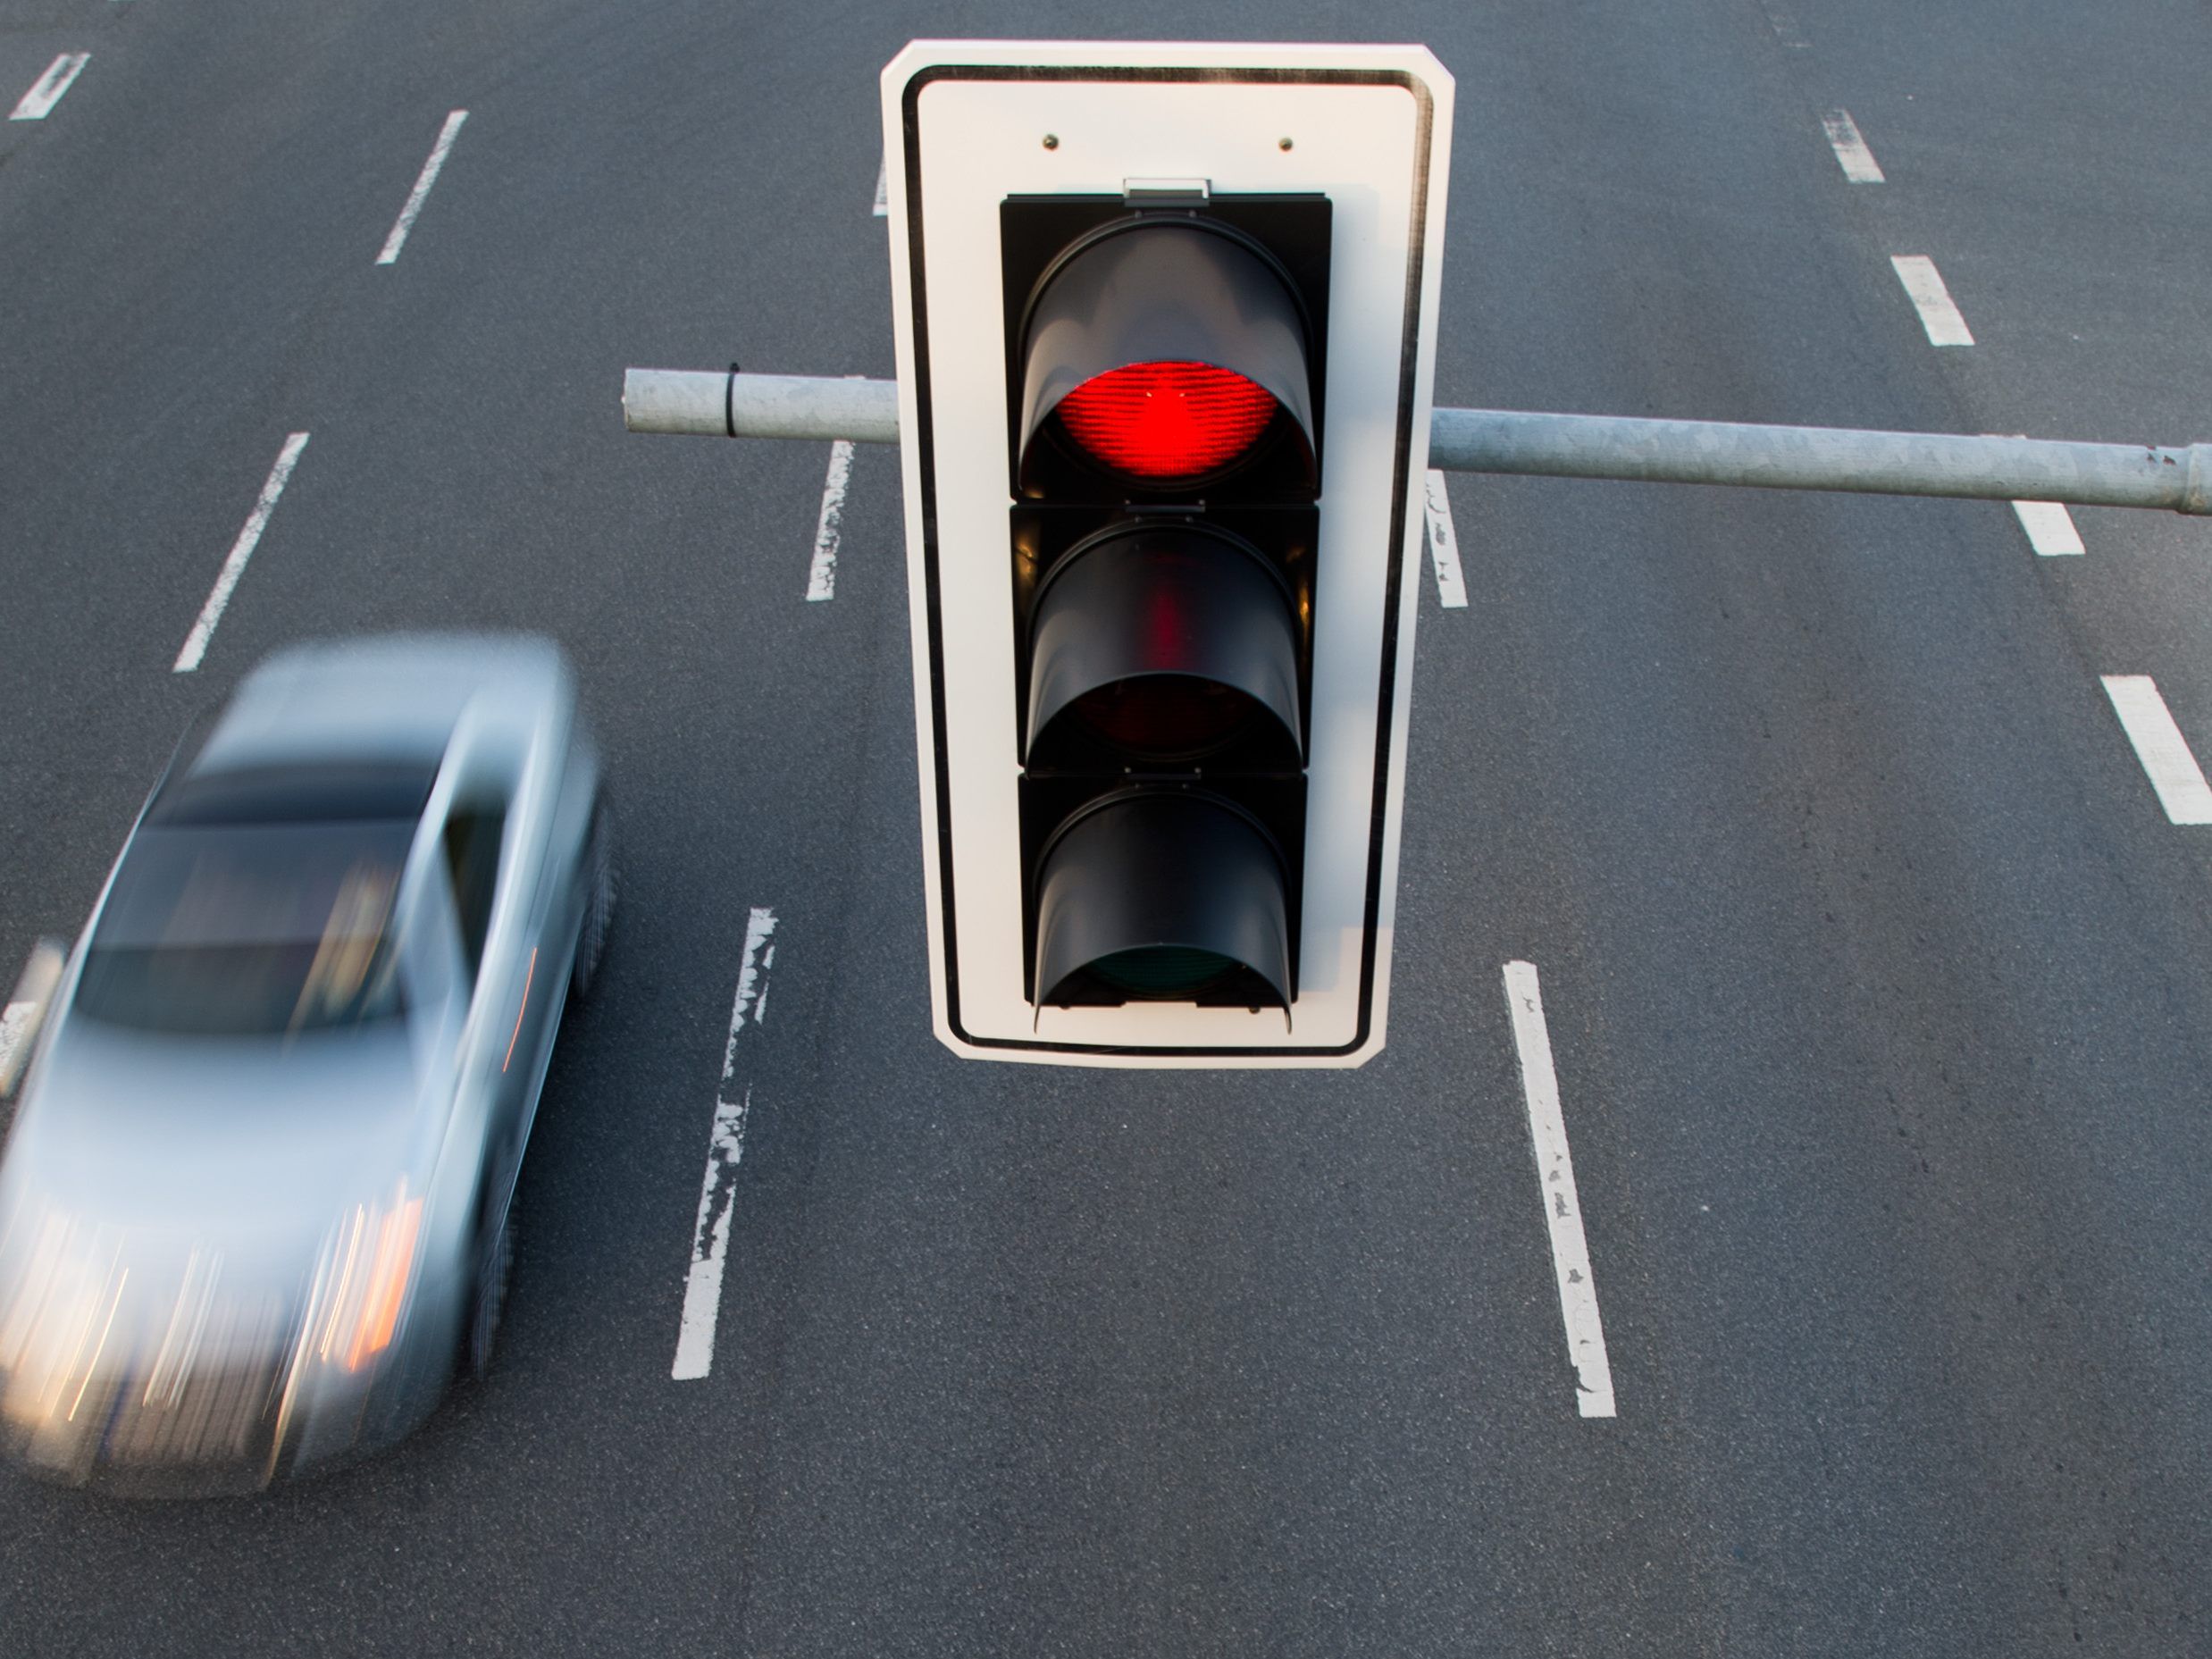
(822, 575)
(1442, 546)
(883, 183)
(35, 105)
(397, 238)
(1856, 160)
(14, 1021)
(33, 989)
(2160, 746)
(1562, 1209)
(725, 1146)
(242, 549)
(2050, 527)
(1924, 284)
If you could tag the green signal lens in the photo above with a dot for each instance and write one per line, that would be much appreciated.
(1163, 972)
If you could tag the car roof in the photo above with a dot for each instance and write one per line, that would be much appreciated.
(370, 715)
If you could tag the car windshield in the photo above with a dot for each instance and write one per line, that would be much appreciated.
(250, 930)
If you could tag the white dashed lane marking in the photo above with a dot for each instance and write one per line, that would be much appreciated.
(725, 1147)
(1923, 285)
(2160, 745)
(1562, 1208)
(822, 574)
(1443, 545)
(34, 988)
(15, 1021)
(421, 193)
(38, 103)
(2050, 528)
(1852, 154)
(242, 549)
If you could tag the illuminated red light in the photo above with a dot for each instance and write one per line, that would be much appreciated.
(1167, 420)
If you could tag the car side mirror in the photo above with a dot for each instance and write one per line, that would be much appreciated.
(26, 1011)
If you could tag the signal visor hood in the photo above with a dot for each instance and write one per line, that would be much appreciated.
(1162, 896)
(1177, 605)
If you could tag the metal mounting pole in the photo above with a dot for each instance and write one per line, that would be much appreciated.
(727, 404)
(1822, 457)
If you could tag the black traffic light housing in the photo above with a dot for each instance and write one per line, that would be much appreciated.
(1163, 608)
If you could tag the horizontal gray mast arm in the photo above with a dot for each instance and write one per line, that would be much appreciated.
(728, 404)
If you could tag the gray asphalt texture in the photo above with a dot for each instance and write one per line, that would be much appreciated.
(1876, 976)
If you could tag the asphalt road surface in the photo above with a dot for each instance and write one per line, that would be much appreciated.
(1879, 979)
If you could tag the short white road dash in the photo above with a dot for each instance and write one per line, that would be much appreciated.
(1562, 1209)
(38, 103)
(242, 549)
(1923, 285)
(14, 1020)
(2160, 745)
(1852, 154)
(882, 184)
(725, 1146)
(34, 988)
(1442, 546)
(822, 575)
(429, 176)
(2050, 528)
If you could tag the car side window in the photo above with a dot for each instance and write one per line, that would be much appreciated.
(471, 842)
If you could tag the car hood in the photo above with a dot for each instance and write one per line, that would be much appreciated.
(172, 1172)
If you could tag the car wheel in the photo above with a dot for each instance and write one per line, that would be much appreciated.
(599, 905)
(489, 1301)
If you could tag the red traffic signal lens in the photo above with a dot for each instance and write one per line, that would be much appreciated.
(1167, 420)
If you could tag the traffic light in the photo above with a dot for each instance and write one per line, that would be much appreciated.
(1163, 322)
(1165, 357)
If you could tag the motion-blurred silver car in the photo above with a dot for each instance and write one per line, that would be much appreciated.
(255, 1202)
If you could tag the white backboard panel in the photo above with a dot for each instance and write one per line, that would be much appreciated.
(965, 126)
